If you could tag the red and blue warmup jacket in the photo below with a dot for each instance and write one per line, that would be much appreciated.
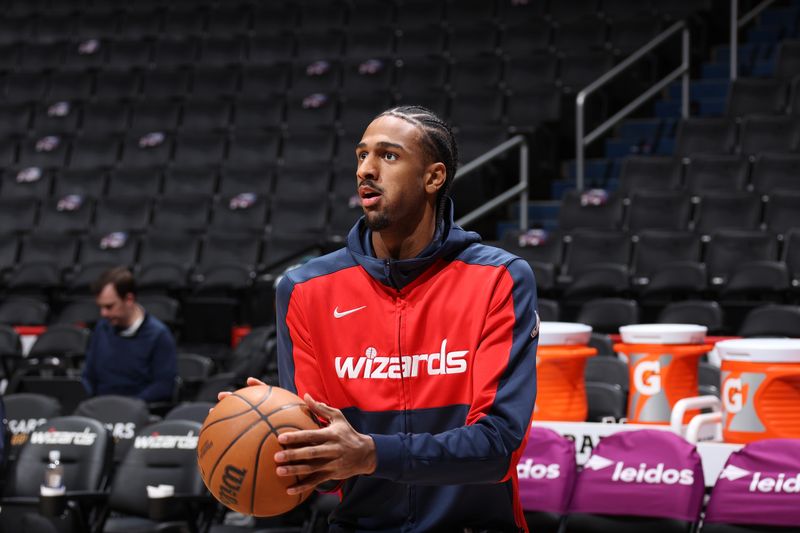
(433, 357)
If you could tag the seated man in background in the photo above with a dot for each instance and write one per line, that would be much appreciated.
(131, 352)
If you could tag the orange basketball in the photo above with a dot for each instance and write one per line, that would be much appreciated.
(237, 443)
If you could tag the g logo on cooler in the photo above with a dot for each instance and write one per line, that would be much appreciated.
(647, 378)
(732, 395)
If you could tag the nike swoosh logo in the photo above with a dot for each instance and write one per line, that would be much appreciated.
(337, 314)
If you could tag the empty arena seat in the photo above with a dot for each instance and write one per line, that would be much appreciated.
(728, 249)
(788, 59)
(702, 312)
(705, 135)
(708, 172)
(546, 473)
(605, 400)
(738, 501)
(577, 212)
(771, 320)
(727, 210)
(782, 211)
(608, 369)
(80, 312)
(123, 416)
(162, 453)
(24, 412)
(165, 259)
(53, 217)
(193, 370)
(23, 311)
(658, 210)
(606, 315)
(181, 213)
(769, 133)
(649, 173)
(18, 214)
(775, 171)
(205, 115)
(754, 96)
(44, 257)
(85, 449)
(194, 411)
(122, 214)
(656, 468)
(591, 248)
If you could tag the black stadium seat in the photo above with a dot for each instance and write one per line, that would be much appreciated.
(705, 135)
(123, 416)
(658, 209)
(727, 210)
(702, 312)
(775, 171)
(756, 96)
(163, 453)
(707, 172)
(85, 453)
(649, 173)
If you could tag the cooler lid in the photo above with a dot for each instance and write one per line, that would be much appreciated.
(564, 334)
(760, 350)
(663, 334)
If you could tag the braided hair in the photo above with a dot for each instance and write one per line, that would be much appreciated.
(437, 140)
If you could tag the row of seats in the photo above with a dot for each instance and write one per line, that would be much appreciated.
(677, 210)
(241, 150)
(247, 212)
(350, 77)
(430, 40)
(702, 173)
(29, 22)
(282, 181)
(748, 135)
(588, 261)
(302, 112)
(607, 315)
(163, 259)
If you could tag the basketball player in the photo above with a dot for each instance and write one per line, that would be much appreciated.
(417, 344)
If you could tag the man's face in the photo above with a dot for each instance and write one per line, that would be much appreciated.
(390, 173)
(118, 311)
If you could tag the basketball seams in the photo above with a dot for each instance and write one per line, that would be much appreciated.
(230, 445)
(251, 407)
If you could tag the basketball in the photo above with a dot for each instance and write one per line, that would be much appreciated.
(238, 442)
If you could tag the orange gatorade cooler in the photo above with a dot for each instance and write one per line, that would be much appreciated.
(760, 389)
(560, 362)
(663, 360)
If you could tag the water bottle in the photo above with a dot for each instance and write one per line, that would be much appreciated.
(54, 473)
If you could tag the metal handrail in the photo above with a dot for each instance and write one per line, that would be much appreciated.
(738, 23)
(582, 141)
(520, 188)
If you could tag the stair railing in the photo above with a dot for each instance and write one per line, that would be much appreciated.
(582, 140)
(520, 189)
(737, 24)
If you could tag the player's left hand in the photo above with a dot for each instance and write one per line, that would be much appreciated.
(336, 451)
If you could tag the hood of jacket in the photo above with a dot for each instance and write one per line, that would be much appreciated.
(448, 241)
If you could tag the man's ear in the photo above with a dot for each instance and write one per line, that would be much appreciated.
(435, 176)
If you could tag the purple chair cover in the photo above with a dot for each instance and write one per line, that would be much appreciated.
(650, 473)
(546, 472)
(760, 485)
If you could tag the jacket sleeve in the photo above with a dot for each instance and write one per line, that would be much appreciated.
(487, 448)
(298, 370)
(89, 375)
(163, 369)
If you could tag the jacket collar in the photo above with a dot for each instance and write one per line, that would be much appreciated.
(448, 241)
